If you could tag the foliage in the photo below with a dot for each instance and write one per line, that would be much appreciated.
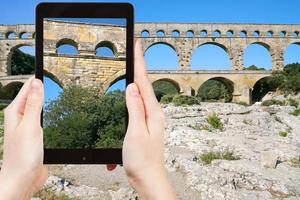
(207, 158)
(184, 100)
(82, 118)
(214, 120)
(292, 102)
(272, 102)
(22, 63)
(213, 90)
(295, 162)
(168, 98)
(3, 105)
(242, 103)
(296, 112)
(253, 67)
(283, 133)
(47, 194)
(162, 88)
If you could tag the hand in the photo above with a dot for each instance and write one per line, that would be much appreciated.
(143, 148)
(23, 173)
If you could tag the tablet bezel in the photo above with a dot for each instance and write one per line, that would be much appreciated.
(84, 10)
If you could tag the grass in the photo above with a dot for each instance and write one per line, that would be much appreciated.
(292, 102)
(179, 100)
(283, 133)
(296, 112)
(200, 127)
(242, 103)
(214, 121)
(272, 102)
(46, 194)
(207, 158)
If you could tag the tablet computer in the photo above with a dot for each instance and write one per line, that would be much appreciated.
(84, 56)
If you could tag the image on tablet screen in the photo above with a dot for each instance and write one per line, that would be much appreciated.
(84, 79)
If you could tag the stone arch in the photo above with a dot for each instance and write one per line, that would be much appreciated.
(107, 44)
(265, 46)
(53, 77)
(230, 33)
(145, 33)
(169, 80)
(160, 33)
(67, 41)
(113, 79)
(190, 33)
(8, 62)
(24, 35)
(175, 33)
(217, 44)
(286, 52)
(170, 51)
(7, 34)
(229, 84)
(10, 91)
(260, 88)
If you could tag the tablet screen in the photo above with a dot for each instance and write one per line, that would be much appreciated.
(84, 79)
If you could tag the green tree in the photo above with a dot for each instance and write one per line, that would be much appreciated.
(162, 88)
(22, 63)
(213, 90)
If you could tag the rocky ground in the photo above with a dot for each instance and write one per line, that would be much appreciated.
(266, 164)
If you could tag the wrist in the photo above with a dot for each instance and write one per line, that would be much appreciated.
(153, 184)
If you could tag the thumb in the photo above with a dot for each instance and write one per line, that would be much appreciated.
(135, 107)
(34, 102)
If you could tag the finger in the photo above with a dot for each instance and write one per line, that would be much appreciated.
(34, 102)
(143, 82)
(135, 108)
(111, 167)
(14, 112)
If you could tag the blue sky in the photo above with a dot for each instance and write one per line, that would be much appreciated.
(217, 11)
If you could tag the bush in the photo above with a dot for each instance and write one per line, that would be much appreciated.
(207, 158)
(243, 103)
(292, 102)
(184, 100)
(283, 133)
(296, 112)
(214, 90)
(162, 88)
(214, 120)
(167, 98)
(272, 102)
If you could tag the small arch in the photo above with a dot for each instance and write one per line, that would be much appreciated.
(10, 35)
(160, 33)
(216, 89)
(175, 33)
(203, 33)
(189, 33)
(295, 34)
(229, 33)
(145, 33)
(66, 46)
(256, 34)
(261, 88)
(243, 34)
(216, 33)
(24, 35)
(269, 34)
(10, 91)
(282, 34)
(165, 86)
(105, 49)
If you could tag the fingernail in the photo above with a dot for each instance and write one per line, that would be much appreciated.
(36, 84)
(133, 90)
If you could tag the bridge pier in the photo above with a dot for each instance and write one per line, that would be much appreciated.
(242, 93)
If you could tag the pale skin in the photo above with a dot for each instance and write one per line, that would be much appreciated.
(23, 173)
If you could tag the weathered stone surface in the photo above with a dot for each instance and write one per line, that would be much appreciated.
(268, 159)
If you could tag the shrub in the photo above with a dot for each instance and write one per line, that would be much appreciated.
(47, 194)
(272, 102)
(207, 158)
(214, 120)
(296, 112)
(167, 98)
(292, 102)
(3, 105)
(283, 133)
(184, 100)
(243, 103)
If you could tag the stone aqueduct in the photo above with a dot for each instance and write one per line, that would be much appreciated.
(88, 69)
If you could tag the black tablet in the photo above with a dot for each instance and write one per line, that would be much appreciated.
(84, 56)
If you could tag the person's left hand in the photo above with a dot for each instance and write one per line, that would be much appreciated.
(23, 173)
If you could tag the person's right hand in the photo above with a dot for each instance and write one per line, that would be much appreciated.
(143, 148)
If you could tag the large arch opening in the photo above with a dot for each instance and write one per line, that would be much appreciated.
(164, 87)
(10, 91)
(105, 49)
(292, 54)
(21, 60)
(216, 89)
(261, 88)
(161, 56)
(257, 57)
(66, 47)
(210, 56)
